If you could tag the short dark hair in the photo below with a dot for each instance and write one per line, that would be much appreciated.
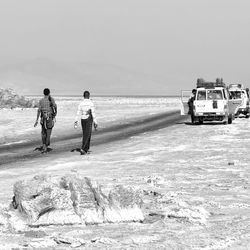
(46, 91)
(86, 94)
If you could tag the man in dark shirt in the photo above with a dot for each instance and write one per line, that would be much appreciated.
(191, 105)
(47, 110)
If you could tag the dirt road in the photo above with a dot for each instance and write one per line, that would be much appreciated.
(65, 143)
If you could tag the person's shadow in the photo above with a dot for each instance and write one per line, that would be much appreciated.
(41, 149)
(204, 123)
(75, 150)
(191, 124)
(78, 150)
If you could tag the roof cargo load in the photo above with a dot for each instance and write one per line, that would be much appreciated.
(240, 86)
(201, 83)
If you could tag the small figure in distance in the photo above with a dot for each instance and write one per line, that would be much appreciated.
(47, 111)
(191, 105)
(86, 111)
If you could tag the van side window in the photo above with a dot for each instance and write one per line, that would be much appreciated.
(201, 95)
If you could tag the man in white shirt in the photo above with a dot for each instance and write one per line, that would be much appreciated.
(86, 111)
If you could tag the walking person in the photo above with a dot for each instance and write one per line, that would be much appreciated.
(47, 111)
(86, 111)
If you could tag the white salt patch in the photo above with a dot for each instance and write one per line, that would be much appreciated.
(221, 244)
(142, 159)
(143, 239)
(139, 150)
(104, 240)
(62, 166)
(125, 214)
(239, 205)
(155, 180)
(42, 243)
(180, 209)
(192, 214)
(58, 217)
(177, 148)
(15, 142)
(9, 246)
(16, 222)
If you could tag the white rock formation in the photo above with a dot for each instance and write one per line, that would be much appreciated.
(73, 200)
(10, 99)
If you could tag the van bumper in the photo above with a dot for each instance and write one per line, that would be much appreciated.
(211, 116)
(243, 111)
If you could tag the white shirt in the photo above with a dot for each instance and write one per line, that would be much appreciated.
(83, 110)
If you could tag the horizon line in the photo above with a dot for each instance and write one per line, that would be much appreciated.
(104, 95)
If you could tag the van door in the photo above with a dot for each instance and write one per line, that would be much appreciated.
(233, 105)
(185, 95)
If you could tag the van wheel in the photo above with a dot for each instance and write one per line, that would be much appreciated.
(247, 116)
(194, 120)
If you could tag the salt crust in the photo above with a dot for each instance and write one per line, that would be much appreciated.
(46, 200)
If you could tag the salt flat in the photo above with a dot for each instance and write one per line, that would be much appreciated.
(196, 176)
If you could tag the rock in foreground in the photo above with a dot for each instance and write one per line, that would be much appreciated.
(10, 99)
(73, 200)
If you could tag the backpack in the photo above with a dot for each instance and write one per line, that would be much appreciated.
(47, 118)
(53, 108)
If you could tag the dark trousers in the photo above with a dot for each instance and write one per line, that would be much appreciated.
(46, 133)
(192, 117)
(86, 132)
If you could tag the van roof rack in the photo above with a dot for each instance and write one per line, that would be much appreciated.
(235, 85)
(201, 83)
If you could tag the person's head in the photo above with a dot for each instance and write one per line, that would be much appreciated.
(193, 91)
(86, 94)
(46, 91)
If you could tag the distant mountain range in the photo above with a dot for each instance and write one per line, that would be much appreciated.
(63, 78)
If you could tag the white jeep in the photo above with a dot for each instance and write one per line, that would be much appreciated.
(211, 103)
(238, 92)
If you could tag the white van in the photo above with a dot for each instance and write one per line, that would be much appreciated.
(237, 92)
(211, 103)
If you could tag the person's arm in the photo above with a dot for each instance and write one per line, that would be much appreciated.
(94, 116)
(54, 105)
(38, 115)
(78, 113)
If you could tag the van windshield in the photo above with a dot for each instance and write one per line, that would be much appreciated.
(215, 94)
(235, 94)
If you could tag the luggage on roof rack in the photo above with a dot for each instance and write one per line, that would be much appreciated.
(235, 85)
(201, 83)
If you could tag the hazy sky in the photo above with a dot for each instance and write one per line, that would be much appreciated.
(177, 40)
